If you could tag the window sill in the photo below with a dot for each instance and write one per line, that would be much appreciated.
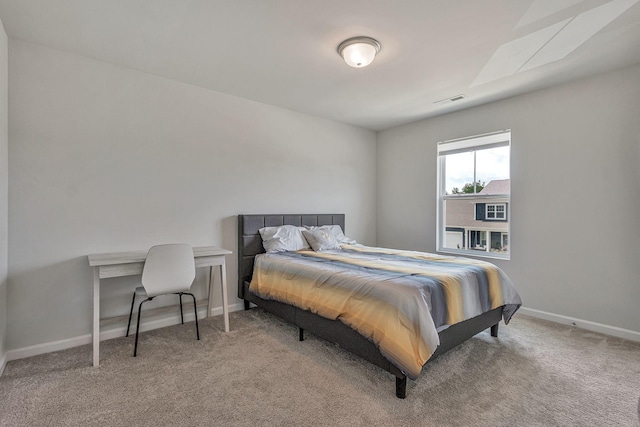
(475, 254)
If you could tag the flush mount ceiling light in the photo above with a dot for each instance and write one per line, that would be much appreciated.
(359, 52)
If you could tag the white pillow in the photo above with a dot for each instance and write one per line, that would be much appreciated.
(336, 230)
(283, 238)
(321, 239)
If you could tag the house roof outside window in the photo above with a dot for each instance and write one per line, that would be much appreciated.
(497, 186)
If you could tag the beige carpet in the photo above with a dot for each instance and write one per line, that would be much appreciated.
(535, 374)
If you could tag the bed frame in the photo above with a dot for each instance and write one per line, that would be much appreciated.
(250, 245)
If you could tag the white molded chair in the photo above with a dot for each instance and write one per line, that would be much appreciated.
(168, 269)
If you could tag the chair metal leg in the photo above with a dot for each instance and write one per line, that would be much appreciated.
(195, 311)
(135, 348)
(181, 314)
(133, 300)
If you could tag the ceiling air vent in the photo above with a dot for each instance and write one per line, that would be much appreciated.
(452, 99)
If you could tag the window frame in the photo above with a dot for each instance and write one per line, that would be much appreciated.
(470, 144)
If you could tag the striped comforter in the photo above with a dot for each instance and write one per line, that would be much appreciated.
(397, 299)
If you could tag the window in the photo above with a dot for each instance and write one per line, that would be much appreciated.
(496, 212)
(474, 191)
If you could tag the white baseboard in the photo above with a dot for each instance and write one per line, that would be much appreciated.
(168, 320)
(583, 324)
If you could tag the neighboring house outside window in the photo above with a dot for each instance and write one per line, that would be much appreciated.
(477, 224)
(475, 218)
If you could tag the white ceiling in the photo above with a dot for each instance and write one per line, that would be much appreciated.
(283, 52)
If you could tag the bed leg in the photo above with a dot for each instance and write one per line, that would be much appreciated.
(246, 305)
(401, 387)
(301, 334)
(494, 330)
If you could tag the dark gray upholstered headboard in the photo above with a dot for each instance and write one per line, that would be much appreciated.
(250, 243)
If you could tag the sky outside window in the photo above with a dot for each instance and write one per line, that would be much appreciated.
(491, 164)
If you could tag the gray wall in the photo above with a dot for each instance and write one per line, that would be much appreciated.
(575, 198)
(103, 158)
(3, 191)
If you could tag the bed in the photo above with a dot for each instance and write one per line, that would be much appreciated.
(335, 328)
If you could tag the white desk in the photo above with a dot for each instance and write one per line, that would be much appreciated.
(122, 264)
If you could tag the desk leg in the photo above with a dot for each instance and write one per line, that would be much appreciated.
(225, 308)
(96, 316)
(210, 303)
